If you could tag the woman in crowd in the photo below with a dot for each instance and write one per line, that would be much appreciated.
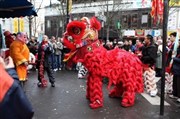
(176, 77)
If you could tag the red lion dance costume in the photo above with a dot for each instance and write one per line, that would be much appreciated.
(123, 69)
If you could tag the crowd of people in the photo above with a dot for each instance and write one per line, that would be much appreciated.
(149, 50)
(14, 104)
(20, 51)
(50, 52)
(57, 54)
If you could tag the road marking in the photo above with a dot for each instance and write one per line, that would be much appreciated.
(154, 100)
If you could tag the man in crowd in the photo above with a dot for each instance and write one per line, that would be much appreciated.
(33, 45)
(20, 55)
(149, 51)
(170, 48)
(45, 51)
(149, 54)
(169, 55)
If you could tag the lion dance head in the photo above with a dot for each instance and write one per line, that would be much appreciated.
(80, 33)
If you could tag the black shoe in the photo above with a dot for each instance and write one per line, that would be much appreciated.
(39, 84)
(52, 85)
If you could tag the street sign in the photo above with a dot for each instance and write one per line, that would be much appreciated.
(102, 17)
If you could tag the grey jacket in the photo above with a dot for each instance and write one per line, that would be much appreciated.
(58, 48)
(159, 57)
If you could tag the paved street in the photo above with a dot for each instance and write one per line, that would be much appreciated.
(67, 101)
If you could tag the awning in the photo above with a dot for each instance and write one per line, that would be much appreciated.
(16, 8)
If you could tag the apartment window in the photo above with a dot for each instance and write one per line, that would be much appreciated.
(125, 21)
(60, 23)
(48, 23)
(42, 27)
(129, 21)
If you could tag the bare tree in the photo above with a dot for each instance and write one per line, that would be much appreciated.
(61, 21)
(36, 23)
(112, 10)
(32, 20)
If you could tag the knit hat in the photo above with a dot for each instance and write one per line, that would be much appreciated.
(7, 33)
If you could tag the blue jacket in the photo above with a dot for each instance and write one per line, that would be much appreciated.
(176, 66)
(12, 72)
(13, 104)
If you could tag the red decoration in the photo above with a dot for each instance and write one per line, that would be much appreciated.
(160, 9)
(139, 33)
(41, 67)
(157, 11)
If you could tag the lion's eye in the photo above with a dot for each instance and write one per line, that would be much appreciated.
(76, 30)
(89, 48)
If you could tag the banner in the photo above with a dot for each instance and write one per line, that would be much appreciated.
(173, 3)
(160, 9)
(70, 6)
(21, 24)
(154, 8)
(139, 32)
(157, 11)
(15, 25)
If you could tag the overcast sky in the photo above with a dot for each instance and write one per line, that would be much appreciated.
(46, 2)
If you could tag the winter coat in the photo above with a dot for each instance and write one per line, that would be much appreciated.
(169, 55)
(149, 54)
(13, 102)
(33, 46)
(12, 72)
(48, 49)
(58, 49)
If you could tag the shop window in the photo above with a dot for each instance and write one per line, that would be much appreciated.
(125, 21)
(129, 21)
(134, 20)
(144, 20)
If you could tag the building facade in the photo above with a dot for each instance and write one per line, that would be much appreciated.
(124, 15)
